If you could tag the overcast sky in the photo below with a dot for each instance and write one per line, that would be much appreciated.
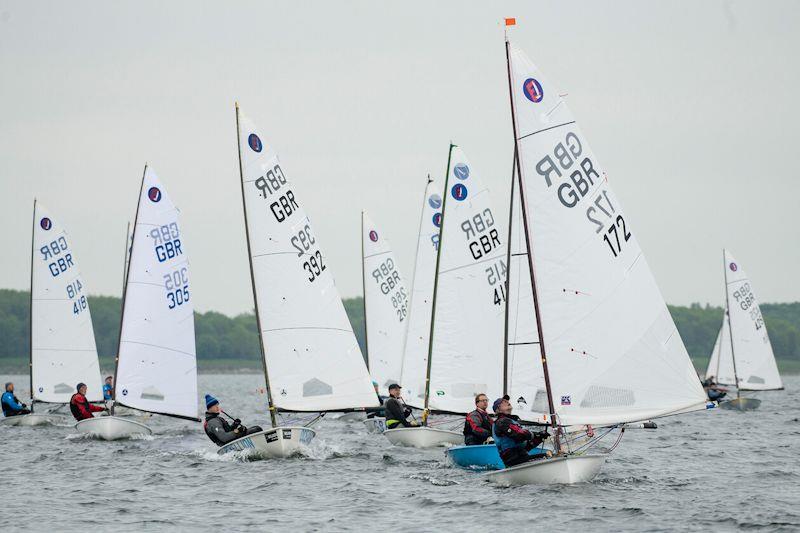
(691, 107)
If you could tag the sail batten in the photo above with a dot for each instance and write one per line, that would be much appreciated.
(63, 349)
(157, 364)
(311, 355)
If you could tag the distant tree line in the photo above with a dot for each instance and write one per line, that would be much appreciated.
(222, 337)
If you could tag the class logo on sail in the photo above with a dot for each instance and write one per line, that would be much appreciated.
(461, 171)
(533, 90)
(255, 143)
(46, 223)
(437, 220)
(435, 201)
(373, 235)
(734, 267)
(154, 193)
(459, 192)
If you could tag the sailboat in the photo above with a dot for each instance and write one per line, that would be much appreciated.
(608, 348)
(156, 366)
(62, 345)
(312, 362)
(742, 355)
(465, 342)
(385, 311)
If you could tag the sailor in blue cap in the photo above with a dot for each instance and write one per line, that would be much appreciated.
(218, 429)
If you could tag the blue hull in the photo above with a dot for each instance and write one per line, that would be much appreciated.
(481, 457)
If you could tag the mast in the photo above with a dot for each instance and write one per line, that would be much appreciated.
(125, 293)
(30, 310)
(364, 290)
(508, 275)
(730, 329)
(414, 277)
(272, 417)
(526, 229)
(125, 257)
(435, 288)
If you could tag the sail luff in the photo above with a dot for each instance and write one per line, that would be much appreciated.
(526, 229)
(270, 403)
(435, 288)
(728, 315)
(30, 307)
(508, 273)
(364, 293)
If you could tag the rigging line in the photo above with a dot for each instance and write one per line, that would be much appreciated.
(454, 269)
(157, 346)
(293, 252)
(308, 328)
(546, 129)
(377, 254)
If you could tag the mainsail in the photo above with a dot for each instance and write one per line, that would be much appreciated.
(754, 361)
(156, 366)
(612, 350)
(311, 355)
(63, 351)
(720, 365)
(385, 305)
(415, 350)
(469, 300)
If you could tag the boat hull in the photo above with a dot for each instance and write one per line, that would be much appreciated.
(556, 470)
(33, 419)
(375, 424)
(112, 428)
(423, 437)
(274, 443)
(479, 457)
(741, 404)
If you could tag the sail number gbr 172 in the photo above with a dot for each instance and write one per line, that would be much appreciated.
(274, 188)
(581, 184)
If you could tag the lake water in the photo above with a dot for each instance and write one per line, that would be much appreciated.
(709, 471)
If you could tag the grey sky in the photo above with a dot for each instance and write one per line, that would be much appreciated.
(691, 106)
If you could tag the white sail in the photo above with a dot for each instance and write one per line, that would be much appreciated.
(525, 383)
(63, 351)
(720, 365)
(613, 352)
(467, 344)
(385, 306)
(312, 356)
(157, 367)
(415, 351)
(755, 363)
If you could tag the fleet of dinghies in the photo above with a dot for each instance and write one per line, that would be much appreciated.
(554, 306)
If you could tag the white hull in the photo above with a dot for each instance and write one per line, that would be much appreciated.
(423, 437)
(557, 470)
(33, 419)
(112, 427)
(275, 443)
(375, 425)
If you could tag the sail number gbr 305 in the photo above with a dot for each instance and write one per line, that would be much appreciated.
(581, 185)
(167, 247)
(274, 188)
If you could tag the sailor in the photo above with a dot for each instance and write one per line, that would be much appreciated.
(80, 407)
(108, 388)
(713, 391)
(11, 404)
(478, 424)
(218, 429)
(512, 441)
(397, 411)
(372, 412)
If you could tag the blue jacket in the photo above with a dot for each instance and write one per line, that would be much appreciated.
(10, 403)
(107, 391)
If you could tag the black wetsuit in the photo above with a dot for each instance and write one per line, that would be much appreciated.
(477, 427)
(221, 433)
(396, 413)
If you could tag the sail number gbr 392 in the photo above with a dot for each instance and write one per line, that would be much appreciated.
(274, 188)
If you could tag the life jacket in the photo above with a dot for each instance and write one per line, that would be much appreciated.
(211, 434)
(75, 410)
(504, 444)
